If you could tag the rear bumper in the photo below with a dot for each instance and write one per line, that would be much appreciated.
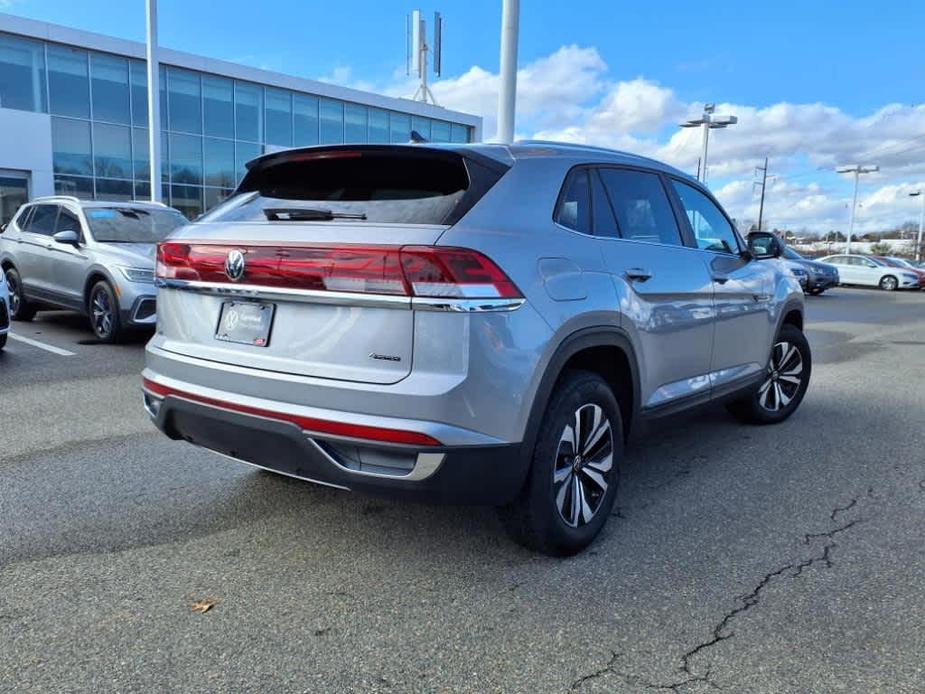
(491, 475)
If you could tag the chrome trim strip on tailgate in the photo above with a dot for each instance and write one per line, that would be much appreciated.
(312, 296)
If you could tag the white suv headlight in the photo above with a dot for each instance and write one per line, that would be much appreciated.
(137, 274)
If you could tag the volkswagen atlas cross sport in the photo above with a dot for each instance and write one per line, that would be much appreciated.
(466, 323)
(89, 256)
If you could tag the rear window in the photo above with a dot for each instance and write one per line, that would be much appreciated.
(406, 186)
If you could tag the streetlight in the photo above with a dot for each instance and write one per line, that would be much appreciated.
(920, 194)
(708, 121)
(857, 170)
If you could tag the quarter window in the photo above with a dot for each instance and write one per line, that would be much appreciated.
(712, 230)
(641, 206)
(575, 204)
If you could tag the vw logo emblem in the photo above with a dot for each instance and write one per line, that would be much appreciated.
(234, 265)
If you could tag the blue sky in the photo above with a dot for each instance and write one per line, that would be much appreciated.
(813, 83)
(855, 55)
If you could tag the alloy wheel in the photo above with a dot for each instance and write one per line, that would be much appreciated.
(785, 375)
(15, 300)
(101, 309)
(888, 283)
(584, 465)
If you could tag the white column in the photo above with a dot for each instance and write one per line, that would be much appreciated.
(510, 21)
(154, 101)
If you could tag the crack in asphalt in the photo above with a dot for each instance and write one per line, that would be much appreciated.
(842, 509)
(722, 630)
(609, 668)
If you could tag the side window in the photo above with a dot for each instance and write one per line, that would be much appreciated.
(43, 220)
(575, 203)
(867, 263)
(67, 221)
(711, 228)
(641, 206)
(605, 224)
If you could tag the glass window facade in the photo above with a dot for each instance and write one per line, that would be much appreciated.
(22, 74)
(211, 125)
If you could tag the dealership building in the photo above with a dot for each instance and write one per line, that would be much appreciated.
(73, 118)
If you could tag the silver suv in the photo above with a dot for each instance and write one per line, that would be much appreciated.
(89, 256)
(466, 323)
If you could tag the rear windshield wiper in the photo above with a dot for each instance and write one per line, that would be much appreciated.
(307, 214)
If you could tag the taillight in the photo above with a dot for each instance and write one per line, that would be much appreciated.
(422, 271)
(453, 273)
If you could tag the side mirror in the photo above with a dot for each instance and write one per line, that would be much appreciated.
(763, 244)
(69, 236)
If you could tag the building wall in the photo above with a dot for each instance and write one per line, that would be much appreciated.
(215, 116)
(26, 146)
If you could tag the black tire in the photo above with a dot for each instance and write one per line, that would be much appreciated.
(777, 397)
(539, 517)
(889, 283)
(2, 341)
(816, 292)
(103, 312)
(20, 308)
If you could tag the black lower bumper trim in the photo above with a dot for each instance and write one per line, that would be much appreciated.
(468, 475)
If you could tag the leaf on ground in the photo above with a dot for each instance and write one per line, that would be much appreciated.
(202, 606)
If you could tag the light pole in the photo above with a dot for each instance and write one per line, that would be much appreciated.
(707, 122)
(918, 244)
(510, 28)
(857, 170)
(154, 106)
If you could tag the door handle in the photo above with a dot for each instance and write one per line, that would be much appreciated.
(638, 274)
(720, 279)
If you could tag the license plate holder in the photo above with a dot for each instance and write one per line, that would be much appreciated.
(245, 322)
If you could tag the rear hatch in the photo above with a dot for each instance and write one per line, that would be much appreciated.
(310, 267)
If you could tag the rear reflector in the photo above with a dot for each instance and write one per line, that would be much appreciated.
(307, 424)
(424, 271)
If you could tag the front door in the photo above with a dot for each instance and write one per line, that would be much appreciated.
(742, 291)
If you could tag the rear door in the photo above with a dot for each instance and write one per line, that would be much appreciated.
(742, 289)
(33, 253)
(321, 239)
(669, 298)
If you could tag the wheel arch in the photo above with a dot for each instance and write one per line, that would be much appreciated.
(96, 274)
(604, 350)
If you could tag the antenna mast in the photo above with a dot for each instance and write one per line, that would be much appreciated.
(417, 50)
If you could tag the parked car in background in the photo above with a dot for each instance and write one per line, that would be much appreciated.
(552, 296)
(904, 264)
(820, 276)
(89, 256)
(4, 312)
(865, 271)
(797, 271)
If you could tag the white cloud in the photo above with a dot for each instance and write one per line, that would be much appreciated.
(571, 95)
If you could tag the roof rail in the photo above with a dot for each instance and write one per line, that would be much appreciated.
(69, 198)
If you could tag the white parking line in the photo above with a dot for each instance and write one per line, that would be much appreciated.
(41, 345)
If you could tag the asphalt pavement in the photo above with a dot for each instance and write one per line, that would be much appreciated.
(749, 559)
